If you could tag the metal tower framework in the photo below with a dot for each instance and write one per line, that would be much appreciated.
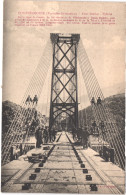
(64, 90)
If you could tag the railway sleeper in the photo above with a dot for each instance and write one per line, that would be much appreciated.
(26, 186)
(93, 187)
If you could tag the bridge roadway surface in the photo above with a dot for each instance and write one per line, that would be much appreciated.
(62, 172)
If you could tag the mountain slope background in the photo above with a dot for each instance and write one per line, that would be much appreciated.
(116, 104)
(12, 111)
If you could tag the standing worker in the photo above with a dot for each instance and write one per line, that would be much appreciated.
(38, 136)
(53, 133)
(28, 100)
(45, 135)
(85, 136)
(94, 125)
(35, 99)
(93, 100)
(99, 101)
(74, 133)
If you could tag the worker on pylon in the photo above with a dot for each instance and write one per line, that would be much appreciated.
(99, 100)
(35, 99)
(28, 100)
(93, 100)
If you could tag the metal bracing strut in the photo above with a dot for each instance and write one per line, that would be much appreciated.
(64, 77)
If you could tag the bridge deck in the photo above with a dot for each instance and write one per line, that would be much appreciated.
(62, 172)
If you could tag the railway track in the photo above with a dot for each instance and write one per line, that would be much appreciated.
(64, 169)
(106, 181)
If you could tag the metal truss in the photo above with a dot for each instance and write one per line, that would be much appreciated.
(64, 91)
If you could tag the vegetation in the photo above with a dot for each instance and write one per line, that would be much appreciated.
(12, 111)
(116, 105)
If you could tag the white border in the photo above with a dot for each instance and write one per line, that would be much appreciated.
(1, 59)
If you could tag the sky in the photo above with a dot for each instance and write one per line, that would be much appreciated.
(24, 46)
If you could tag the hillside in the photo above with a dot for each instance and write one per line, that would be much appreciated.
(116, 105)
(12, 111)
(9, 110)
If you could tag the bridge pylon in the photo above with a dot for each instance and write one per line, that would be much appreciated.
(64, 90)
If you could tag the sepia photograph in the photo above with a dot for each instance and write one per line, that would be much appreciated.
(63, 97)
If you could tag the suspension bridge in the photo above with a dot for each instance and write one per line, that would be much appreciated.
(71, 154)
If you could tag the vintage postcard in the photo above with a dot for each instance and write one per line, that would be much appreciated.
(63, 102)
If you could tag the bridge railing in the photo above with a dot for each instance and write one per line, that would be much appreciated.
(20, 149)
